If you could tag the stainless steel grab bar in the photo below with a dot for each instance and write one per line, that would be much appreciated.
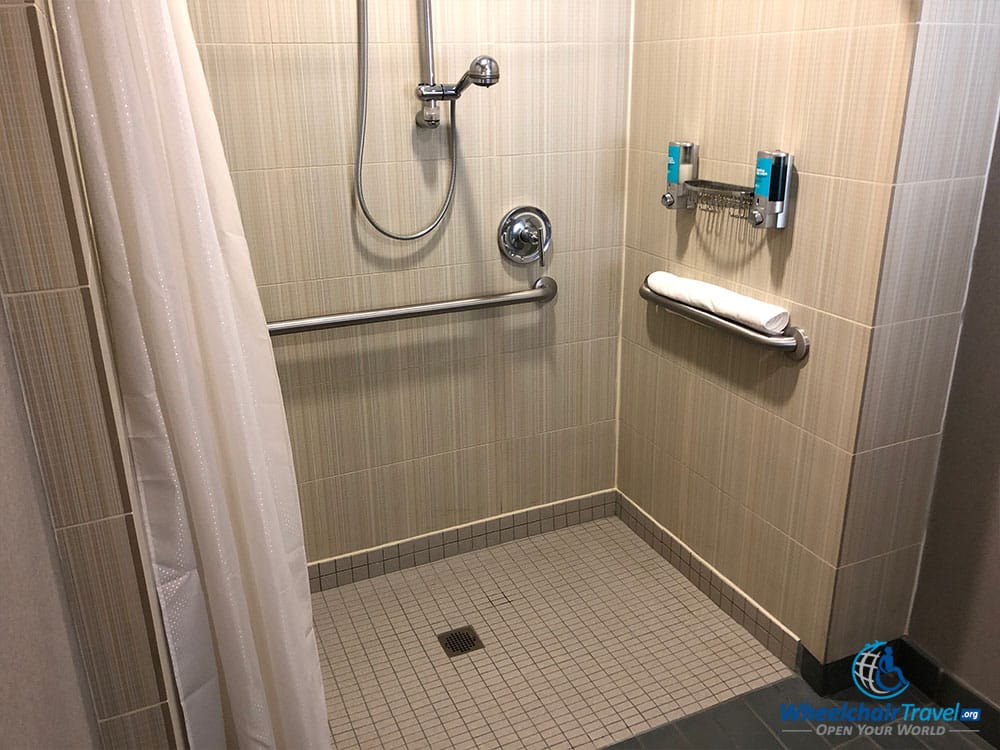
(543, 290)
(794, 342)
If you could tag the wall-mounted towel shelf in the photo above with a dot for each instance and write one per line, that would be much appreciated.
(543, 290)
(794, 342)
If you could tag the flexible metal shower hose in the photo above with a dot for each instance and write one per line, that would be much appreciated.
(359, 190)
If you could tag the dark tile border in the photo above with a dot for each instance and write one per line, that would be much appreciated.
(730, 600)
(945, 689)
(360, 566)
(939, 685)
(753, 720)
(830, 678)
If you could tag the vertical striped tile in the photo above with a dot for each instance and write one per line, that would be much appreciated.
(110, 608)
(55, 339)
(39, 243)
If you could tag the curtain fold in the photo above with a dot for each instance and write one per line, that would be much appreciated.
(203, 404)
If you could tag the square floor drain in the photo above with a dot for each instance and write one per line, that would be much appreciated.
(460, 641)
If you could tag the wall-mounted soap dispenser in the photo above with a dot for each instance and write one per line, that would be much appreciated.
(772, 190)
(682, 166)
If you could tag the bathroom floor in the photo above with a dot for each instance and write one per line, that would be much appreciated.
(589, 638)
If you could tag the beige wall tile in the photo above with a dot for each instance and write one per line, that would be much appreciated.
(787, 476)
(654, 20)
(149, 729)
(989, 13)
(242, 82)
(54, 337)
(641, 385)
(950, 75)
(316, 21)
(310, 117)
(909, 373)
(109, 605)
(578, 461)
(980, 115)
(815, 14)
(514, 21)
(596, 21)
(925, 271)
(890, 493)
(635, 472)
(951, 11)
(844, 119)
(231, 21)
(521, 480)
(585, 74)
(39, 241)
(429, 493)
(872, 600)
(337, 515)
(806, 597)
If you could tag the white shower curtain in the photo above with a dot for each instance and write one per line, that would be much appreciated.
(203, 405)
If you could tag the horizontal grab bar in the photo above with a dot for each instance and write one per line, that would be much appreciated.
(543, 290)
(795, 342)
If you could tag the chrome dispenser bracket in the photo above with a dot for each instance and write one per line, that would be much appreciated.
(525, 235)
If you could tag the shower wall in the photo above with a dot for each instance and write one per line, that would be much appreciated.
(403, 428)
(742, 453)
(753, 460)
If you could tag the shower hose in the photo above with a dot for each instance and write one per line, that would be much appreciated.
(359, 190)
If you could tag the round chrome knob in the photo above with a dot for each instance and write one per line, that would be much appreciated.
(524, 234)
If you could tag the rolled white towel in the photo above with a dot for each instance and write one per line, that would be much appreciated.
(761, 316)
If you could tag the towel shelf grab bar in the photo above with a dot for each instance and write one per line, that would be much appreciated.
(543, 290)
(794, 342)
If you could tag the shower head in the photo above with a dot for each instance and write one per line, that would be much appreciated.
(484, 71)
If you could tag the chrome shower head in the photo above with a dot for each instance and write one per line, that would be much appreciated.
(484, 71)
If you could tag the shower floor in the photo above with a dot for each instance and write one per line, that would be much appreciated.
(590, 638)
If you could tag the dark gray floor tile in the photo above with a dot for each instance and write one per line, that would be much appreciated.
(951, 741)
(897, 741)
(632, 743)
(730, 725)
(664, 738)
(858, 743)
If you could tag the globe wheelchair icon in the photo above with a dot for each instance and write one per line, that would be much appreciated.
(875, 673)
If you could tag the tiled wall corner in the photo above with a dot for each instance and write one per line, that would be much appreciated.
(933, 223)
(743, 454)
(872, 600)
(50, 299)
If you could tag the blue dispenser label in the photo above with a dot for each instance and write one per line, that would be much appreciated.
(762, 181)
(673, 164)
